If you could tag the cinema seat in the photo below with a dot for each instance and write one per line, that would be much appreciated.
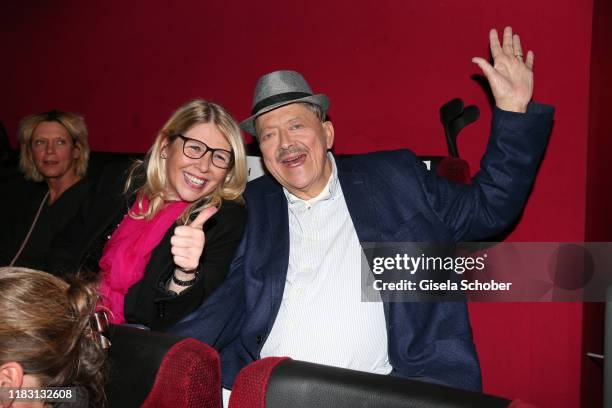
(151, 369)
(280, 382)
(454, 169)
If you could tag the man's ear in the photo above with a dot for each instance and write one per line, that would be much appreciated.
(329, 134)
(11, 376)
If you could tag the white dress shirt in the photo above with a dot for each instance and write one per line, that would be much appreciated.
(321, 317)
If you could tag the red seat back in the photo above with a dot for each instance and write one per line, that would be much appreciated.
(454, 169)
(152, 369)
(189, 376)
(252, 382)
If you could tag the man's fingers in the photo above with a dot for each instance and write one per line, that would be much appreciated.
(486, 68)
(516, 45)
(529, 60)
(494, 43)
(203, 216)
(507, 44)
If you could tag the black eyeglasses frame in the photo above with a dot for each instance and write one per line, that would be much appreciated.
(206, 150)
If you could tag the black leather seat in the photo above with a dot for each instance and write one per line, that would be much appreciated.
(289, 383)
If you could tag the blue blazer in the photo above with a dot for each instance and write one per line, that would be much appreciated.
(391, 197)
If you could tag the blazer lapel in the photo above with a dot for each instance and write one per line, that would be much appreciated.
(358, 195)
(357, 192)
(275, 271)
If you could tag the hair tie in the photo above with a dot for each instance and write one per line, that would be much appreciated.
(99, 328)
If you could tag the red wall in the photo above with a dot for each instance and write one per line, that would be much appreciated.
(599, 194)
(387, 66)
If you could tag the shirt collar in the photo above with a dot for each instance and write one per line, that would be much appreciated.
(330, 190)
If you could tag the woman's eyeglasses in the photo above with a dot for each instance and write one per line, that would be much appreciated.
(194, 149)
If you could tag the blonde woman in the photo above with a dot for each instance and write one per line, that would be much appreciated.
(54, 153)
(174, 246)
(46, 339)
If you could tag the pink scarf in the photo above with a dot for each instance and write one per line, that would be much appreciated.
(128, 251)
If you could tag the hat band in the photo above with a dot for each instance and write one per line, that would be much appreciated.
(278, 98)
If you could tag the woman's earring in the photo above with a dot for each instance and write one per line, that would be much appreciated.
(162, 156)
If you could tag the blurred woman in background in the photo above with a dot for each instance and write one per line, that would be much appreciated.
(54, 153)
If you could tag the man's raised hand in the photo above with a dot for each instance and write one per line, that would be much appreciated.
(511, 75)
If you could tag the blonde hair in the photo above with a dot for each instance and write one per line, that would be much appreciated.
(74, 125)
(184, 118)
(45, 327)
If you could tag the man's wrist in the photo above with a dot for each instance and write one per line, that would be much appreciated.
(517, 108)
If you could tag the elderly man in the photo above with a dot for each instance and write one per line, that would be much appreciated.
(299, 262)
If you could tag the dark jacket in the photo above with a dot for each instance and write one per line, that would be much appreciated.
(391, 197)
(18, 214)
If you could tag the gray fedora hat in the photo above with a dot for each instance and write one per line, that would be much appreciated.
(280, 88)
